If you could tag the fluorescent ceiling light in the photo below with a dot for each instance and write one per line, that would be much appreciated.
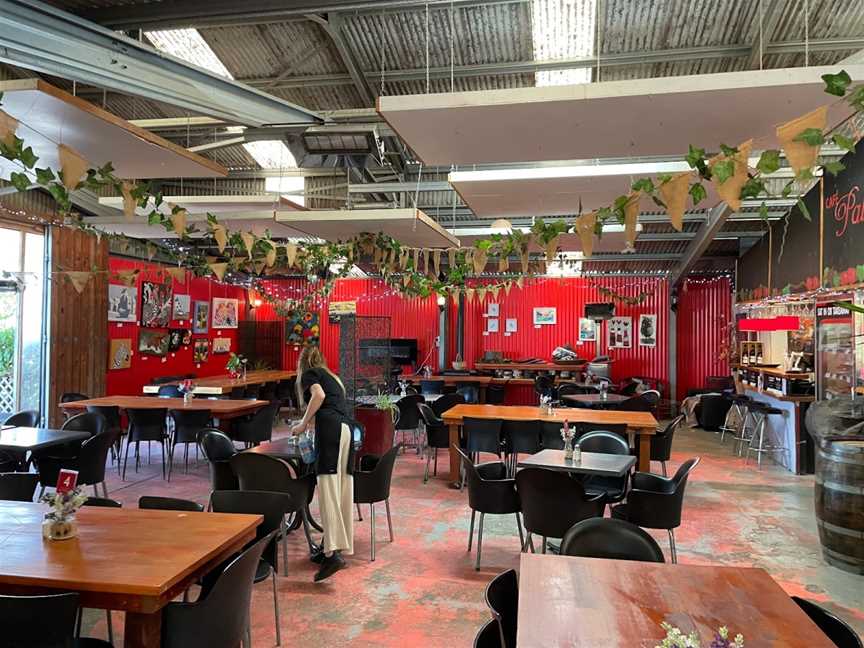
(562, 29)
(584, 171)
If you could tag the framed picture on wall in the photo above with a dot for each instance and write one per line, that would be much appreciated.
(511, 325)
(225, 313)
(619, 331)
(200, 350)
(178, 338)
(221, 345)
(492, 325)
(201, 317)
(587, 330)
(647, 330)
(155, 304)
(120, 354)
(153, 342)
(493, 309)
(545, 315)
(181, 307)
(122, 303)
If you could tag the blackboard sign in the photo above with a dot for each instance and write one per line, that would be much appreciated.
(844, 224)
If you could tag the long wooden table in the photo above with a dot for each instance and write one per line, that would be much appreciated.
(590, 602)
(642, 423)
(123, 559)
(222, 409)
(223, 384)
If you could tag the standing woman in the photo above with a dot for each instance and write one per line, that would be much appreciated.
(324, 395)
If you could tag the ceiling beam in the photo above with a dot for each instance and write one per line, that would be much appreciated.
(697, 247)
(332, 26)
(39, 37)
(769, 19)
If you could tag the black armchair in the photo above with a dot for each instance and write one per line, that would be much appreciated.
(446, 402)
(655, 502)
(187, 425)
(711, 411)
(550, 435)
(612, 489)
(168, 504)
(835, 628)
(374, 486)
(255, 428)
(490, 491)
(218, 449)
(113, 423)
(90, 422)
(409, 417)
(24, 418)
(18, 486)
(502, 598)
(610, 538)
(145, 425)
(520, 436)
(47, 620)
(89, 462)
(552, 502)
(482, 435)
(437, 437)
(661, 443)
(169, 391)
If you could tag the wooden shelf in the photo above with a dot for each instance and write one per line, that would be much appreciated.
(528, 366)
(807, 375)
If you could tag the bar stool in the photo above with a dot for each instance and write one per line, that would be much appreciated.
(761, 412)
(746, 426)
(734, 416)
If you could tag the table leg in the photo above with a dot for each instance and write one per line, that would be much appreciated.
(454, 456)
(481, 393)
(143, 630)
(644, 452)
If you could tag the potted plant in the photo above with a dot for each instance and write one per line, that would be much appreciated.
(380, 423)
(236, 365)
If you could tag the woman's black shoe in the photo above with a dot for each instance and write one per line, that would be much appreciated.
(317, 557)
(329, 566)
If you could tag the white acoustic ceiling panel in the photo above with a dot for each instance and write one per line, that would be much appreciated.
(613, 119)
(214, 204)
(410, 227)
(49, 116)
(256, 222)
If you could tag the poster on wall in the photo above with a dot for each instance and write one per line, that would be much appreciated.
(120, 354)
(620, 333)
(200, 350)
(545, 315)
(122, 301)
(221, 345)
(511, 325)
(302, 328)
(493, 309)
(181, 307)
(201, 318)
(647, 330)
(178, 338)
(155, 304)
(153, 342)
(336, 309)
(492, 325)
(225, 313)
(587, 330)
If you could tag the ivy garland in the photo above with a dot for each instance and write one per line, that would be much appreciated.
(400, 268)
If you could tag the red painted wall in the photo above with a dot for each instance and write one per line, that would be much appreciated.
(704, 308)
(146, 367)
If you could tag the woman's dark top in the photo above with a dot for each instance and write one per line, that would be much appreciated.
(328, 420)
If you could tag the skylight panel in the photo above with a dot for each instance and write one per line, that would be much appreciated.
(563, 29)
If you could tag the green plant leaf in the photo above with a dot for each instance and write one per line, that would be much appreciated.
(28, 157)
(44, 176)
(753, 188)
(644, 185)
(20, 181)
(843, 142)
(696, 159)
(698, 193)
(856, 98)
(850, 307)
(836, 84)
(724, 170)
(805, 212)
(154, 218)
(769, 161)
(834, 167)
(810, 136)
(787, 189)
(728, 151)
(664, 178)
(763, 211)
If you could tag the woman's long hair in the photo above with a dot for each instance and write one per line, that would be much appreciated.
(312, 358)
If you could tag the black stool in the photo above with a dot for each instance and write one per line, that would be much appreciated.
(734, 416)
(761, 412)
(746, 425)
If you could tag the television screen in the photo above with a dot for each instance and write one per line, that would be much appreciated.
(599, 311)
(403, 351)
(400, 351)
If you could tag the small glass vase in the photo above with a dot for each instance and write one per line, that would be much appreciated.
(568, 449)
(65, 529)
(188, 396)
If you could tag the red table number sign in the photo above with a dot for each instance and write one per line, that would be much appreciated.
(67, 480)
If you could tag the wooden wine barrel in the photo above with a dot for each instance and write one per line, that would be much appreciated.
(840, 503)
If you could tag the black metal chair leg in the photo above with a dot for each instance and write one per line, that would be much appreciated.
(519, 526)
(276, 610)
(479, 541)
(125, 462)
(372, 524)
(471, 530)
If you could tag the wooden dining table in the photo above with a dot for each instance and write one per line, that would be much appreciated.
(641, 423)
(591, 602)
(224, 383)
(220, 408)
(132, 560)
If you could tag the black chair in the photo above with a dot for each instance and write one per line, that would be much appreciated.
(437, 437)
(169, 391)
(286, 393)
(187, 425)
(145, 425)
(613, 489)
(236, 393)
(652, 397)
(431, 387)
(168, 504)
(113, 423)
(218, 449)
(258, 472)
(610, 538)
(409, 418)
(446, 402)
(267, 392)
(374, 486)
(544, 386)
(661, 443)
(711, 411)
(482, 435)
(550, 435)
(71, 397)
(520, 436)
(89, 462)
(46, 621)
(103, 502)
(502, 597)
(552, 502)
(252, 429)
(220, 617)
(655, 502)
(9, 462)
(273, 507)
(24, 418)
(18, 486)
(489, 636)
(619, 430)
(835, 628)
(490, 491)
(496, 394)
(635, 404)
(251, 392)
(569, 389)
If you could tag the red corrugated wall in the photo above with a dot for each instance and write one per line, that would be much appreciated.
(704, 309)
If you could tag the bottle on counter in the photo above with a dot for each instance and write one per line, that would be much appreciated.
(759, 358)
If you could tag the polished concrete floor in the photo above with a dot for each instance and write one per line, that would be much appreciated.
(422, 590)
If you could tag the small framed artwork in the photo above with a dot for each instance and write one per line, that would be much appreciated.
(120, 354)
(492, 325)
(181, 307)
(493, 309)
(155, 304)
(201, 317)
(511, 325)
(545, 315)
(178, 338)
(225, 313)
(619, 331)
(200, 350)
(221, 345)
(122, 303)
(647, 330)
(153, 342)
(587, 330)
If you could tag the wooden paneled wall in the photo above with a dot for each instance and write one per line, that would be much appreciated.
(78, 348)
